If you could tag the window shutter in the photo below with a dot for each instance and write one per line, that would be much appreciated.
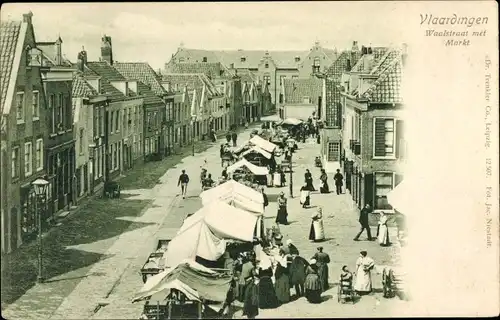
(400, 140)
(379, 138)
(369, 188)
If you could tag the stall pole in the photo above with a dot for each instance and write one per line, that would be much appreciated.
(169, 312)
(157, 310)
(291, 175)
(200, 315)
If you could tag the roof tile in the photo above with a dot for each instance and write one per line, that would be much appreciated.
(297, 89)
(387, 88)
(9, 35)
(141, 71)
(81, 89)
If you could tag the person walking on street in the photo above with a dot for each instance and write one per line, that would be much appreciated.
(312, 284)
(298, 274)
(363, 221)
(363, 281)
(338, 178)
(183, 182)
(324, 188)
(309, 180)
(228, 137)
(281, 217)
(234, 136)
(322, 261)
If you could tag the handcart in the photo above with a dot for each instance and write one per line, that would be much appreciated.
(155, 262)
(393, 279)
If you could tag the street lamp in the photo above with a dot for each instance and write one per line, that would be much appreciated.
(40, 186)
(193, 122)
(92, 147)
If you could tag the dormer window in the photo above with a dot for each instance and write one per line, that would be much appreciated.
(205, 59)
(243, 59)
(306, 100)
(316, 65)
(181, 59)
(297, 59)
(266, 65)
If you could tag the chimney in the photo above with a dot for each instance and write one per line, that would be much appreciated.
(58, 51)
(106, 49)
(364, 50)
(369, 50)
(82, 59)
(27, 17)
(354, 46)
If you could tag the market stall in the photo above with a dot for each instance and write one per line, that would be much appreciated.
(258, 156)
(262, 143)
(186, 290)
(235, 194)
(207, 232)
(247, 170)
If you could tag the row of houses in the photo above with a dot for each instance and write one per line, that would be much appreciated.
(359, 100)
(79, 125)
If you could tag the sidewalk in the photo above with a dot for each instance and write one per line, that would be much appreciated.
(118, 235)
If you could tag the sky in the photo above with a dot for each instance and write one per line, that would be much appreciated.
(152, 32)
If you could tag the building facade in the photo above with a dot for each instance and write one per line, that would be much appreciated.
(23, 131)
(374, 145)
(301, 98)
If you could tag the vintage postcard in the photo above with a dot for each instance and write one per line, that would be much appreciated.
(270, 159)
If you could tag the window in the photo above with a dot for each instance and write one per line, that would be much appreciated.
(181, 59)
(15, 162)
(266, 65)
(297, 59)
(316, 65)
(117, 119)
(243, 59)
(384, 138)
(28, 159)
(205, 59)
(306, 100)
(333, 151)
(80, 142)
(112, 121)
(60, 113)
(129, 118)
(384, 183)
(267, 80)
(295, 77)
(282, 80)
(39, 155)
(20, 106)
(36, 105)
(52, 107)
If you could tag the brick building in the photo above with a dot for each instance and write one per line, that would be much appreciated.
(300, 98)
(23, 130)
(373, 132)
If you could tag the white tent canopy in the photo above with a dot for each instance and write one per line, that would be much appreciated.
(253, 168)
(399, 197)
(236, 194)
(271, 118)
(262, 143)
(292, 121)
(258, 150)
(203, 233)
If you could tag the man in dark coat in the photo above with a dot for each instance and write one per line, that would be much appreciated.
(234, 136)
(228, 137)
(338, 178)
(363, 221)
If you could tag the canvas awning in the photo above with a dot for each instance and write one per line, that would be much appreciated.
(271, 118)
(262, 143)
(191, 278)
(258, 150)
(292, 121)
(235, 194)
(253, 168)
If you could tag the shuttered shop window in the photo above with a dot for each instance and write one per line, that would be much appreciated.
(384, 183)
(384, 136)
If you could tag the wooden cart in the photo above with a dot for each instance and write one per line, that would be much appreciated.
(155, 262)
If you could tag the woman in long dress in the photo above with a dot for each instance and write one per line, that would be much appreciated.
(267, 294)
(312, 284)
(282, 283)
(364, 266)
(282, 216)
(251, 298)
(322, 261)
(324, 182)
(309, 181)
(317, 231)
(297, 270)
(305, 197)
(383, 232)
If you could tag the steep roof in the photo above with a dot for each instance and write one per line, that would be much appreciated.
(10, 35)
(149, 96)
(247, 75)
(378, 54)
(192, 81)
(49, 51)
(387, 88)
(340, 65)
(81, 88)
(107, 73)
(143, 72)
(211, 69)
(297, 89)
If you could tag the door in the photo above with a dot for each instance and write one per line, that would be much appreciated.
(85, 177)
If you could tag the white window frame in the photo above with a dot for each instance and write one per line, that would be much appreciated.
(393, 155)
(117, 123)
(374, 190)
(20, 118)
(15, 163)
(36, 115)
(333, 143)
(39, 157)
(28, 164)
